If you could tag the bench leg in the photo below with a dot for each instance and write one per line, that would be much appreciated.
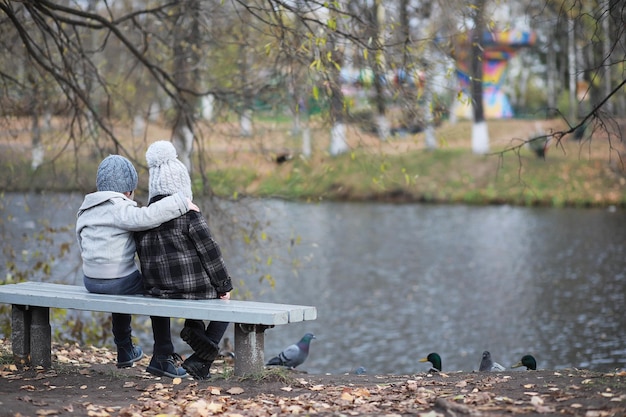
(40, 337)
(249, 348)
(20, 333)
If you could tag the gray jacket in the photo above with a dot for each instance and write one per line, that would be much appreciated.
(105, 223)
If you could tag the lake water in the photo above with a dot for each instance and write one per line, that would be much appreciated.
(393, 283)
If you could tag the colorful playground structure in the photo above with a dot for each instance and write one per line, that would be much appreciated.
(499, 48)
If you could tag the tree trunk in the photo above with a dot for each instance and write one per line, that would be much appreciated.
(338, 144)
(606, 49)
(571, 60)
(551, 73)
(378, 66)
(480, 135)
(185, 59)
(245, 116)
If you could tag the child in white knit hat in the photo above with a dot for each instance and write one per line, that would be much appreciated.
(180, 259)
(105, 224)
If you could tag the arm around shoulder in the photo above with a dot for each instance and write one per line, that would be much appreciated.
(143, 218)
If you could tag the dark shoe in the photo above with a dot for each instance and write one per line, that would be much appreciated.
(197, 367)
(166, 365)
(202, 346)
(127, 355)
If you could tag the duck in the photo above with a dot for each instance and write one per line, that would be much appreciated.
(487, 364)
(528, 361)
(435, 360)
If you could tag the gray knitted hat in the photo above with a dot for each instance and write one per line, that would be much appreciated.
(116, 173)
(167, 174)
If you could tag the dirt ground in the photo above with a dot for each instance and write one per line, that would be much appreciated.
(85, 382)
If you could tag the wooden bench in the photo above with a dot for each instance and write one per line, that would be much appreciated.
(31, 331)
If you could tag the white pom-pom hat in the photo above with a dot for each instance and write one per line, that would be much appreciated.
(167, 174)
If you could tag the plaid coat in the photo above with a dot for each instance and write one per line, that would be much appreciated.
(180, 259)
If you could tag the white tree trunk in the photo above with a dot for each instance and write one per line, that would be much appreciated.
(154, 112)
(382, 127)
(183, 142)
(208, 104)
(139, 126)
(338, 144)
(429, 130)
(571, 59)
(38, 154)
(606, 50)
(551, 74)
(480, 138)
(306, 142)
(245, 123)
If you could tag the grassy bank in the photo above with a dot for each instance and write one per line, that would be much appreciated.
(582, 173)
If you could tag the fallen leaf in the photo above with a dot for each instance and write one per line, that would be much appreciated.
(597, 413)
(431, 413)
(288, 389)
(47, 412)
(536, 400)
(346, 396)
(215, 407)
(215, 391)
(319, 387)
(28, 388)
(235, 390)
(129, 384)
(176, 381)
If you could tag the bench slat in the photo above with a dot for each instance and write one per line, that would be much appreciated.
(77, 297)
(296, 312)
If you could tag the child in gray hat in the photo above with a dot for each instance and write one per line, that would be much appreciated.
(105, 223)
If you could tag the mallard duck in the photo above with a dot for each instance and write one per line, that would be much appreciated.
(486, 364)
(528, 361)
(435, 360)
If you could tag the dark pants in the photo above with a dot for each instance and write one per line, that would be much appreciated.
(121, 323)
(214, 331)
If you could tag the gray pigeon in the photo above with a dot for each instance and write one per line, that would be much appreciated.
(486, 364)
(293, 355)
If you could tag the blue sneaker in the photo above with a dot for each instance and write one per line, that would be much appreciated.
(167, 365)
(127, 355)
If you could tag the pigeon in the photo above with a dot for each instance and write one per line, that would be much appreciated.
(435, 360)
(528, 361)
(486, 364)
(293, 355)
(360, 371)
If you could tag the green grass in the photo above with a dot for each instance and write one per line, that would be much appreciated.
(450, 174)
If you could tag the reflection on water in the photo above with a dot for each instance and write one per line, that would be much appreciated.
(394, 282)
